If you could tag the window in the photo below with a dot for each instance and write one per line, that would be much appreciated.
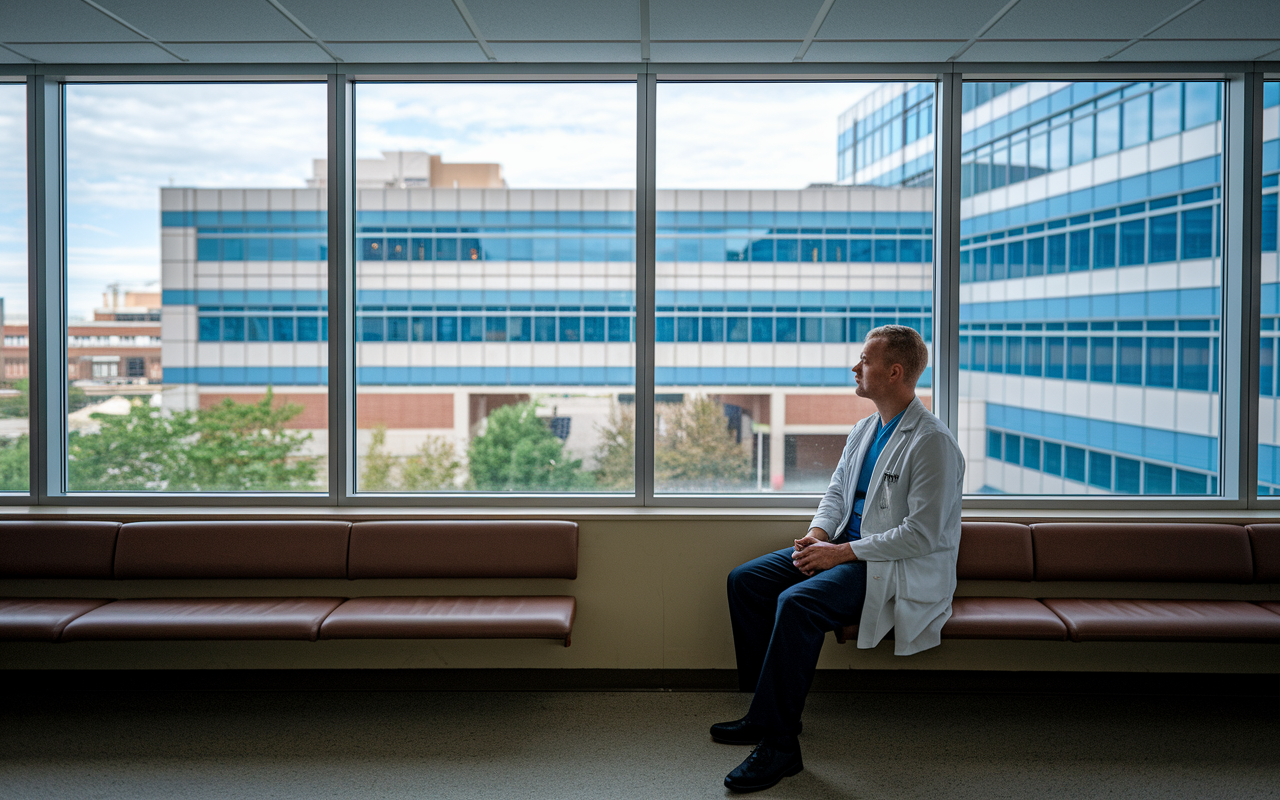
(527, 385)
(1268, 408)
(1138, 336)
(771, 358)
(15, 445)
(230, 261)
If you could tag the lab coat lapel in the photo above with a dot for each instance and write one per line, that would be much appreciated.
(890, 454)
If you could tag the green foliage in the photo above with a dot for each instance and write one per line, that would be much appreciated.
(229, 447)
(434, 468)
(20, 407)
(15, 464)
(696, 450)
(615, 455)
(518, 452)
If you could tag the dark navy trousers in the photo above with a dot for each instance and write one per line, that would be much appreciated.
(780, 619)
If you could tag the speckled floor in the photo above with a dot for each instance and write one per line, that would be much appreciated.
(643, 744)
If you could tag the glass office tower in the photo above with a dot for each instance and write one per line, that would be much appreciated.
(1091, 279)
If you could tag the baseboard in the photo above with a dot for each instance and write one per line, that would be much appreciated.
(632, 680)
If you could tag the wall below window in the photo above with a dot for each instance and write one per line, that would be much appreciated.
(651, 595)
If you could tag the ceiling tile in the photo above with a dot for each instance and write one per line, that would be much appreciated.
(202, 21)
(401, 52)
(731, 19)
(907, 19)
(109, 53)
(1039, 51)
(60, 21)
(566, 51)
(1226, 19)
(745, 52)
(881, 51)
(1082, 19)
(1151, 50)
(265, 52)
(562, 19)
(380, 20)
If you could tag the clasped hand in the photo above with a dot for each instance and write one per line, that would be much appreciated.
(813, 555)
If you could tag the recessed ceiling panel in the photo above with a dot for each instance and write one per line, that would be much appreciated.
(12, 57)
(565, 19)
(380, 20)
(881, 51)
(731, 19)
(1151, 50)
(1226, 19)
(144, 53)
(244, 52)
(60, 21)
(566, 51)
(907, 19)
(405, 52)
(745, 52)
(203, 21)
(1039, 51)
(1082, 19)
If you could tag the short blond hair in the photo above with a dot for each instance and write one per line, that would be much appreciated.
(903, 346)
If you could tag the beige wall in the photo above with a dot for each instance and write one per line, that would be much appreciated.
(650, 596)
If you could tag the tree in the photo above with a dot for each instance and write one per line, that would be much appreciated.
(518, 452)
(696, 451)
(20, 406)
(245, 447)
(435, 467)
(615, 455)
(376, 476)
(15, 464)
(229, 447)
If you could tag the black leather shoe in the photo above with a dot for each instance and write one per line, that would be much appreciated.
(764, 768)
(738, 731)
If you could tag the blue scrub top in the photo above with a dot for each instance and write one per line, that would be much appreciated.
(883, 432)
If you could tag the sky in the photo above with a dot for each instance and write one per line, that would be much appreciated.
(125, 142)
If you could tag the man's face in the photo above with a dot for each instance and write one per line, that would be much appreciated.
(873, 370)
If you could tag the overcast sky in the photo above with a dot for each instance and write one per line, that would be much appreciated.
(124, 142)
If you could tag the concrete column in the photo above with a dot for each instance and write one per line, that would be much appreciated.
(777, 440)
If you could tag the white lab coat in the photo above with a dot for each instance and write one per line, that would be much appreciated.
(910, 527)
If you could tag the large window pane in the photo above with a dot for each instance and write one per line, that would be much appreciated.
(14, 408)
(1127, 300)
(1268, 408)
(831, 237)
(194, 218)
(495, 287)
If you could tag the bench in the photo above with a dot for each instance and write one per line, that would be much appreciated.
(1041, 554)
(324, 549)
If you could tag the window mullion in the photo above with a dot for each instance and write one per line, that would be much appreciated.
(341, 135)
(47, 329)
(1241, 287)
(946, 248)
(646, 222)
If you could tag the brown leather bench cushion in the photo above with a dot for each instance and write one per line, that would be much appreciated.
(57, 548)
(37, 619)
(1105, 551)
(995, 551)
(205, 618)
(1270, 606)
(234, 549)
(1002, 618)
(1266, 552)
(452, 618)
(991, 618)
(1165, 620)
(464, 549)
